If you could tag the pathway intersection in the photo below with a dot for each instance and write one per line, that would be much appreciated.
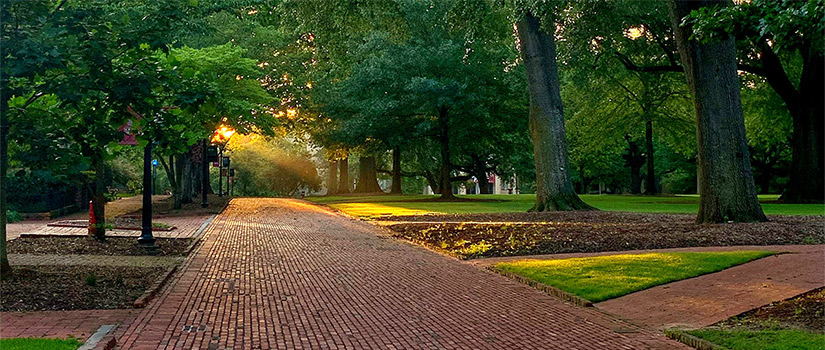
(284, 274)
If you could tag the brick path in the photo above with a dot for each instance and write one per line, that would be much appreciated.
(59, 324)
(283, 274)
(704, 300)
(93, 260)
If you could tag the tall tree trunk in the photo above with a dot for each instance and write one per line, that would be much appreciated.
(367, 176)
(480, 170)
(99, 196)
(554, 190)
(188, 179)
(446, 187)
(728, 192)
(808, 139)
(177, 191)
(169, 167)
(343, 175)
(650, 178)
(634, 160)
(396, 170)
(332, 180)
(432, 181)
(5, 268)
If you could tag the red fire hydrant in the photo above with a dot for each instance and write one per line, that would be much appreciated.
(92, 221)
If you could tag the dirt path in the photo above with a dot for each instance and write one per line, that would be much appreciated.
(705, 300)
(283, 274)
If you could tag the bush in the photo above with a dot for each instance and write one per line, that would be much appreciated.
(13, 216)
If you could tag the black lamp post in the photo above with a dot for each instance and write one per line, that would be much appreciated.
(146, 240)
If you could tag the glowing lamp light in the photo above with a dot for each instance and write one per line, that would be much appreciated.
(222, 134)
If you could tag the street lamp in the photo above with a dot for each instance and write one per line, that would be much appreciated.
(220, 138)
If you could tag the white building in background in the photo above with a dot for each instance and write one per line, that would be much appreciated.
(500, 185)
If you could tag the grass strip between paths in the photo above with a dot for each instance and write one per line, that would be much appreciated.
(39, 343)
(781, 339)
(605, 277)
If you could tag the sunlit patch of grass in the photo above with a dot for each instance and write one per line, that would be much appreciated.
(606, 277)
(375, 209)
(780, 339)
(39, 343)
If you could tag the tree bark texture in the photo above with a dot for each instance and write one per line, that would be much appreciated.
(650, 177)
(806, 182)
(332, 179)
(445, 187)
(396, 170)
(99, 196)
(728, 192)
(343, 176)
(367, 176)
(554, 190)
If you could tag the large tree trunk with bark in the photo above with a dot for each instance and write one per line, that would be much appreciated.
(343, 175)
(445, 187)
(99, 196)
(396, 170)
(634, 160)
(808, 139)
(332, 179)
(650, 177)
(554, 190)
(367, 176)
(191, 170)
(728, 192)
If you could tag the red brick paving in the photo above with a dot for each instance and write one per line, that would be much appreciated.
(186, 227)
(705, 300)
(59, 324)
(283, 274)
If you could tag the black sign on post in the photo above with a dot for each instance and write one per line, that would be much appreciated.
(212, 154)
(226, 162)
(231, 172)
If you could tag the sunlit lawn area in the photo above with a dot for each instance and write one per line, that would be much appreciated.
(365, 206)
(606, 277)
(39, 344)
(782, 339)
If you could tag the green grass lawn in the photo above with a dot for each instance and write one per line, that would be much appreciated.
(605, 277)
(365, 206)
(784, 339)
(39, 344)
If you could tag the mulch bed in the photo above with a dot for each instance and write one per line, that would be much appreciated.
(90, 246)
(119, 223)
(38, 288)
(806, 311)
(573, 232)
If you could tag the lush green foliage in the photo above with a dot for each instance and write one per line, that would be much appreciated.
(784, 339)
(39, 344)
(606, 277)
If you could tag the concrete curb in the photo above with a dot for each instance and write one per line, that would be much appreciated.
(96, 341)
(690, 340)
(553, 291)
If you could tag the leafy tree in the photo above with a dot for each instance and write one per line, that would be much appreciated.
(610, 95)
(784, 42)
(554, 189)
